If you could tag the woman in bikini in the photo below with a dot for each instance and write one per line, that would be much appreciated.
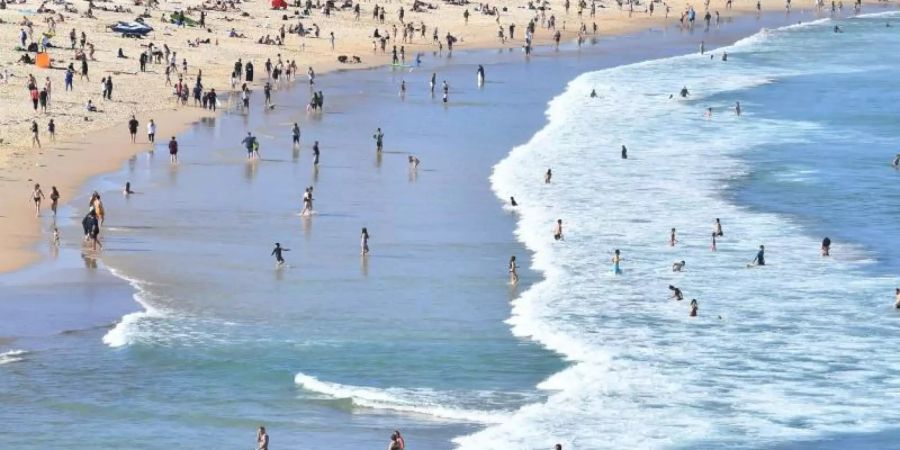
(54, 199)
(37, 195)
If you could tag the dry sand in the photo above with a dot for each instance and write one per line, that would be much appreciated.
(88, 144)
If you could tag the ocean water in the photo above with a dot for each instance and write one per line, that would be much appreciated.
(801, 350)
(424, 335)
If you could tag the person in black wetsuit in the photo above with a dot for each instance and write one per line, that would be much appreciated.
(760, 259)
(624, 152)
(279, 260)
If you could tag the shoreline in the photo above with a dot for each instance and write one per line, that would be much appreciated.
(85, 160)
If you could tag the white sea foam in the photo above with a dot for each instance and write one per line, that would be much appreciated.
(791, 350)
(129, 328)
(13, 356)
(426, 402)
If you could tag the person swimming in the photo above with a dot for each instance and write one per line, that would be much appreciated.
(694, 307)
(279, 259)
(678, 266)
(826, 246)
(676, 293)
(558, 230)
(684, 92)
(616, 259)
(896, 162)
(760, 259)
(593, 93)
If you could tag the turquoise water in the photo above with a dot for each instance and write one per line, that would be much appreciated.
(336, 351)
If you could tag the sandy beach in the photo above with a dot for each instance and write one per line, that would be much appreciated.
(88, 144)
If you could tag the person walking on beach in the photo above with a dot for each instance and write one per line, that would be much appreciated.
(616, 260)
(760, 259)
(826, 246)
(548, 176)
(132, 129)
(51, 130)
(37, 195)
(364, 242)
(262, 439)
(151, 131)
(513, 273)
(316, 154)
(249, 143)
(54, 199)
(295, 135)
(173, 151)
(307, 202)
(379, 140)
(432, 83)
(35, 138)
(279, 259)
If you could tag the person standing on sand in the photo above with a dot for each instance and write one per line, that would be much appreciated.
(364, 242)
(151, 132)
(513, 274)
(132, 128)
(379, 140)
(173, 151)
(35, 139)
(37, 195)
(262, 439)
(51, 130)
(54, 199)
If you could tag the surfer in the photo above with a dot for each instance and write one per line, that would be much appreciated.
(364, 242)
(678, 266)
(279, 260)
(760, 259)
(694, 307)
(513, 274)
(624, 152)
(672, 240)
(676, 293)
(548, 176)
(826, 246)
(379, 140)
(558, 230)
(616, 259)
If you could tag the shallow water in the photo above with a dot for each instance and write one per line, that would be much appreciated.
(336, 351)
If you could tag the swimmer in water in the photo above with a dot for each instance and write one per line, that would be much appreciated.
(512, 202)
(413, 162)
(678, 266)
(672, 240)
(593, 93)
(684, 92)
(279, 260)
(717, 228)
(616, 259)
(548, 176)
(127, 191)
(694, 307)
(624, 152)
(897, 298)
(724, 56)
(708, 112)
(826, 246)
(896, 162)
(714, 241)
(760, 259)
(676, 293)
(737, 108)
(513, 274)
(307, 202)
(558, 230)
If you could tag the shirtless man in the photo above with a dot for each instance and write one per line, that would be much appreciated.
(262, 439)
(558, 230)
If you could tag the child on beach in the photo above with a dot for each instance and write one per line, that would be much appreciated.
(37, 195)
